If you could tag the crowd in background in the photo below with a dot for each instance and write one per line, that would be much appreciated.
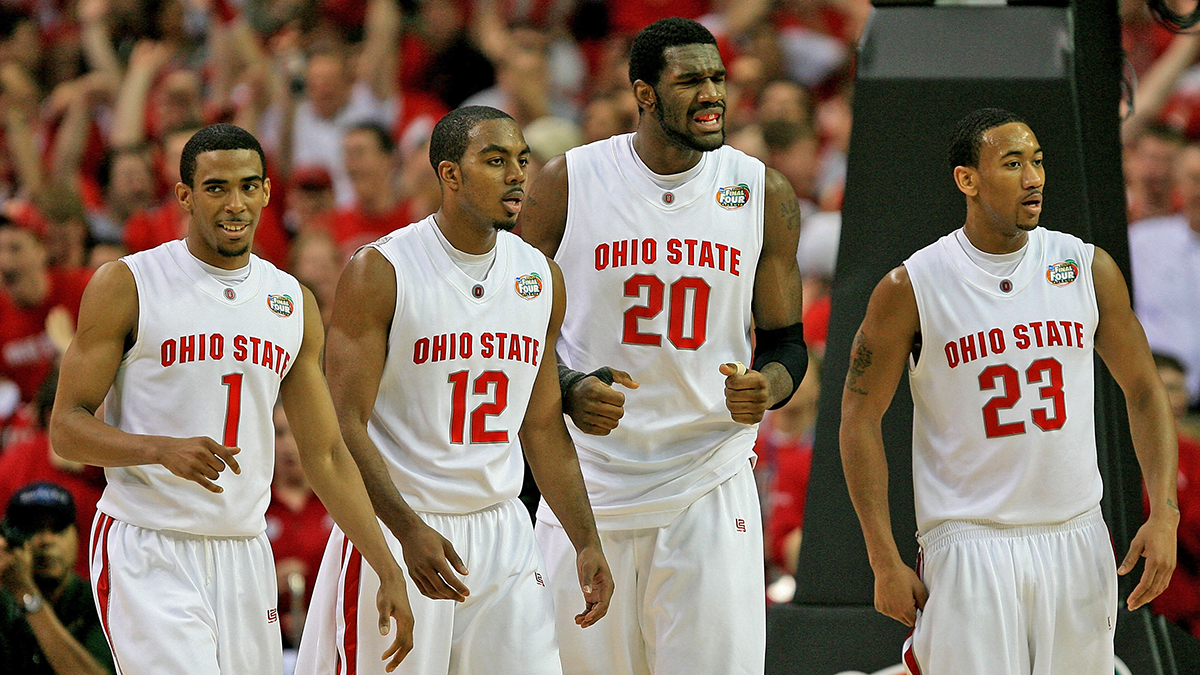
(97, 98)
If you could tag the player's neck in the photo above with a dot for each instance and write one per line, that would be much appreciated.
(991, 240)
(464, 234)
(659, 153)
(210, 257)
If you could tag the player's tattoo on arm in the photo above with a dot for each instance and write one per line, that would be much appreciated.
(860, 360)
(1173, 504)
(789, 211)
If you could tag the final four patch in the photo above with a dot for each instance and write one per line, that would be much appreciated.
(529, 286)
(733, 196)
(281, 304)
(1062, 273)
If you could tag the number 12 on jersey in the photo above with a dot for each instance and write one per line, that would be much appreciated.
(491, 382)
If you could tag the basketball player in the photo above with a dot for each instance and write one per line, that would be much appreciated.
(671, 245)
(996, 322)
(196, 338)
(441, 361)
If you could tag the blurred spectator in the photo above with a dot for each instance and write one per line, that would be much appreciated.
(39, 307)
(438, 56)
(792, 151)
(1180, 602)
(317, 262)
(549, 137)
(48, 621)
(609, 115)
(785, 101)
(1149, 172)
(68, 239)
(31, 460)
(1164, 257)
(298, 527)
(377, 207)
(128, 181)
(310, 199)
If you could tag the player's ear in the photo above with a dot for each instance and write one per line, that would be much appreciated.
(967, 180)
(450, 173)
(183, 193)
(266, 186)
(646, 97)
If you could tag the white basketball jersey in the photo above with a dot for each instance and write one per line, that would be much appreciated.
(208, 361)
(1003, 395)
(659, 285)
(461, 362)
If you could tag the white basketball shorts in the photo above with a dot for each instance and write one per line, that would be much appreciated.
(505, 626)
(171, 602)
(690, 597)
(1028, 600)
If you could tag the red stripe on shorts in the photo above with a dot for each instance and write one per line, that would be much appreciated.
(350, 607)
(103, 583)
(910, 658)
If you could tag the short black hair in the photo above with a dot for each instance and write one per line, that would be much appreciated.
(646, 60)
(968, 134)
(216, 137)
(386, 143)
(451, 134)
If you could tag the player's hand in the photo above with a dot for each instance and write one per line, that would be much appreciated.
(596, 407)
(198, 459)
(596, 581)
(392, 602)
(747, 394)
(899, 593)
(1154, 541)
(429, 557)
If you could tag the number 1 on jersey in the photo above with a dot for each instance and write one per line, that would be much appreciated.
(233, 408)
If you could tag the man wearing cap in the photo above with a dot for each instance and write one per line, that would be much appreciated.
(33, 297)
(48, 622)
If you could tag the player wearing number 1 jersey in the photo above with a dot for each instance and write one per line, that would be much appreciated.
(674, 248)
(185, 344)
(441, 362)
(997, 322)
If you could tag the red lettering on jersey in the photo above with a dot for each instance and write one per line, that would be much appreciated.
(1021, 333)
(453, 346)
(439, 347)
(982, 345)
(601, 256)
(1079, 335)
(649, 251)
(722, 249)
(239, 348)
(168, 353)
(500, 337)
(514, 348)
(735, 257)
(256, 342)
(287, 358)
(951, 350)
(674, 252)
(421, 351)
(187, 349)
(464, 345)
(691, 244)
(203, 345)
(216, 346)
(967, 345)
(1037, 331)
(485, 345)
(279, 354)
(706, 255)
(1053, 339)
(534, 361)
(620, 253)
(996, 337)
(528, 343)
(1067, 332)
(268, 359)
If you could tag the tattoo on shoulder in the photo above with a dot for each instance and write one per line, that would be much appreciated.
(860, 361)
(789, 211)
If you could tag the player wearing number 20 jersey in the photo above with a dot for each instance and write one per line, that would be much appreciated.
(1003, 424)
(666, 303)
(208, 361)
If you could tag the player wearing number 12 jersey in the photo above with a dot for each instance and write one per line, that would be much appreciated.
(441, 362)
(196, 339)
(673, 248)
(997, 322)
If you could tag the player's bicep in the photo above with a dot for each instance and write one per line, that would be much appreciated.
(543, 217)
(303, 392)
(108, 316)
(882, 346)
(778, 298)
(1120, 340)
(358, 333)
(545, 401)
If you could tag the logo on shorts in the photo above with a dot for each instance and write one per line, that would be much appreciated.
(1062, 273)
(740, 523)
(272, 615)
(529, 286)
(538, 576)
(281, 304)
(733, 196)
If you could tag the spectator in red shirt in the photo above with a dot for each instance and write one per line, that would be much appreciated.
(39, 306)
(298, 527)
(378, 208)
